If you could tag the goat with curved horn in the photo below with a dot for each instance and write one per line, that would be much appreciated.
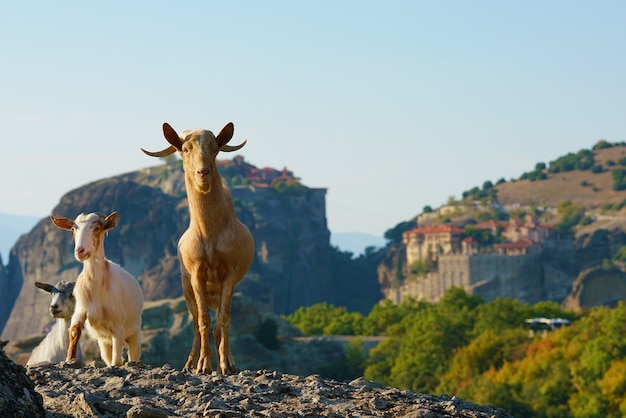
(176, 141)
(216, 251)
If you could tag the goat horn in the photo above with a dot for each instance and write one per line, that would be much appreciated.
(231, 148)
(163, 153)
(172, 137)
(45, 286)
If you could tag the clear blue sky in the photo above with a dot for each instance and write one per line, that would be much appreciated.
(391, 105)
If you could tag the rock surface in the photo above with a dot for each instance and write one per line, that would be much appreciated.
(18, 397)
(138, 390)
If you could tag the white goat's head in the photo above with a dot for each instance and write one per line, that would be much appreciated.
(198, 149)
(88, 231)
(63, 303)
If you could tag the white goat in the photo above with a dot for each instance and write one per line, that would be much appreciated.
(53, 348)
(216, 251)
(107, 296)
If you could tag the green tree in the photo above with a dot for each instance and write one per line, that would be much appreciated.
(481, 236)
(314, 319)
(394, 235)
(417, 350)
(490, 349)
(267, 334)
(601, 144)
(619, 177)
(570, 214)
(387, 314)
(344, 323)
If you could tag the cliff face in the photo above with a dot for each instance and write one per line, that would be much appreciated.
(566, 271)
(597, 286)
(291, 268)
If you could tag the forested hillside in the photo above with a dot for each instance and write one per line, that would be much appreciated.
(483, 352)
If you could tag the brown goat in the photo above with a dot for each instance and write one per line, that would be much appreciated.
(216, 251)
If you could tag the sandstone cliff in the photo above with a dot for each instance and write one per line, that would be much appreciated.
(294, 264)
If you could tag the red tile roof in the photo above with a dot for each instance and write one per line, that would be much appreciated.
(435, 230)
(523, 243)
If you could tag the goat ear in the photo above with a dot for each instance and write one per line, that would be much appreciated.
(172, 137)
(62, 223)
(110, 221)
(225, 135)
(44, 286)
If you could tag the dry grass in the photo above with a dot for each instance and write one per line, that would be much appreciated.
(569, 186)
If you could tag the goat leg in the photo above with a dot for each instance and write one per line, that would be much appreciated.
(192, 359)
(204, 323)
(225, 359)
(74, 334)
(117, 341)
(134, 347)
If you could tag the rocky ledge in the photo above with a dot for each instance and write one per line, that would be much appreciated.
(138, 390)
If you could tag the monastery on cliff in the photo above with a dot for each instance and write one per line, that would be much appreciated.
(461, 262)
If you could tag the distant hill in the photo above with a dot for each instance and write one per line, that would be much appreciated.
(583, 263)
(356, 242)
(11, 228)
(585, 188)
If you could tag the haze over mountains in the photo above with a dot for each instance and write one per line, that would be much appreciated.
(11, 228)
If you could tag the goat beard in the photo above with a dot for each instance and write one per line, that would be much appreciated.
(203, 188)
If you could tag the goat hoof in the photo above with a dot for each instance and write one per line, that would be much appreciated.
(73, 363)
(139, 364)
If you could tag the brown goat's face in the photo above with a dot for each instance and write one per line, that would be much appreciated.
(198, 149)
(198, 152)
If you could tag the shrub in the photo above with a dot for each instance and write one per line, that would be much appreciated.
(267, 334)
(601, 144)
(571, 215)
(619, 178)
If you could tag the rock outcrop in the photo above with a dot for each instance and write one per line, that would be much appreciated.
(140, 390)
(137, 390)
(598, 286)
(18, 397)
(293, 264)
